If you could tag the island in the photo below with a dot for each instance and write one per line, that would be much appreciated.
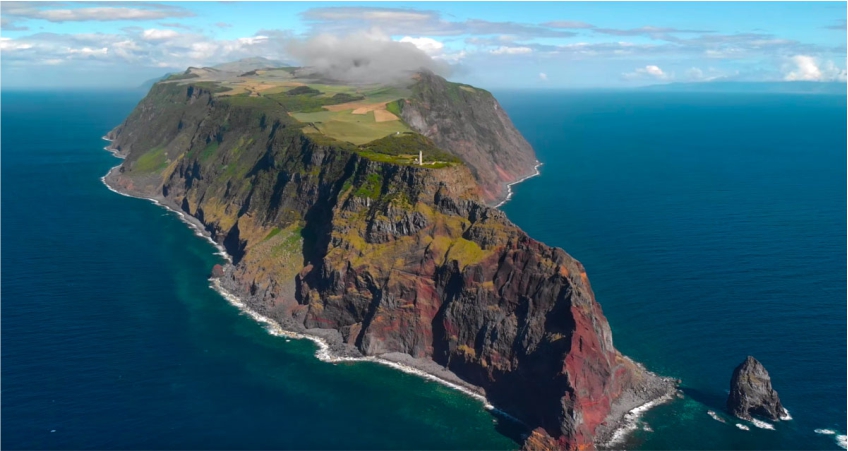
(361, 216)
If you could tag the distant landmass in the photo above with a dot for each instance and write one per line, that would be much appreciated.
(786, 87)
(237, 67)
(249, 64)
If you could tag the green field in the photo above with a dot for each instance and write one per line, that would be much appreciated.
(152, 160)
(354, 128)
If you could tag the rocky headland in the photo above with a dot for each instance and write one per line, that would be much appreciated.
(375, 257)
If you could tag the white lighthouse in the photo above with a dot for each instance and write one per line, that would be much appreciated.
(420, 158)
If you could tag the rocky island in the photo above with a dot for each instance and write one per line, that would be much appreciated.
(751, 392)
(361, 214)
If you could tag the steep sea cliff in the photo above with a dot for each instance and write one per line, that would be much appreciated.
(378, 259)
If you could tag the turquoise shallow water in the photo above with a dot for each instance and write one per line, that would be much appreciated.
(711, 226)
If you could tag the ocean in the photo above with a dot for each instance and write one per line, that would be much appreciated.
(711, 226)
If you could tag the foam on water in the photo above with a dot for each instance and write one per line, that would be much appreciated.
(841, 440)
(631, 419)
(785, 415)
(509, 185)
(762, 424)
(743, 427)
(715, 416)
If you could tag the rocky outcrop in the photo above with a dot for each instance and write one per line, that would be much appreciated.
(217, 272)
(751, 392)
(470, 123)
(385, 259)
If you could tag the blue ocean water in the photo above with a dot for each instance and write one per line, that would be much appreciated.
(712, 227)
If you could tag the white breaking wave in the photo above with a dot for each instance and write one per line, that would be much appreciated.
(785, 415)
(761, 424)
(841, 440)
(509, 185)
(743, 427)
(715, 416)
(631, 419)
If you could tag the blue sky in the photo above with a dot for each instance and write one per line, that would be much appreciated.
(490, 44)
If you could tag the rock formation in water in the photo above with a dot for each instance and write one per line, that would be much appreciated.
(389, 259)
(751, 392)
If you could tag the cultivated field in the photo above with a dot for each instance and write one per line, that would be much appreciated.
(354, 128)
(354, 113)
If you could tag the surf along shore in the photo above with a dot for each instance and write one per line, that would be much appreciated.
(622, 420)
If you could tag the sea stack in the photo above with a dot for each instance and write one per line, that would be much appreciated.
(751, 392)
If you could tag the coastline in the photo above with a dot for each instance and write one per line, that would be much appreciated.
(620, 422)
(615, 435)
(509, 185)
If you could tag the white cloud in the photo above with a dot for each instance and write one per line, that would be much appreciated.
(568, 24)
(697, 74)
(88, 51)
(8, 44)
(808, 68)
(253, 40)
(504, 50)
(154, 34)
(429, 46)
(136, 47)
(47, 11)
(649, 71)
(362, 57)
(543, 76)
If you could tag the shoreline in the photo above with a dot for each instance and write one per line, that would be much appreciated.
(620, 427)
(629, 422)
(325, 354)
(509, 185)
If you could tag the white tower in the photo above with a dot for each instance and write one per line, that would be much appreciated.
(420, 158)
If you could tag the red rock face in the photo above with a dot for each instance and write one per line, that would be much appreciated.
(517, 318)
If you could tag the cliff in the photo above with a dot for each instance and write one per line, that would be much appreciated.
(470, 123)
(386, 258)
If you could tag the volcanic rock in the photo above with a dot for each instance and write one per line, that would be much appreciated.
(751, 392)
(217, 272)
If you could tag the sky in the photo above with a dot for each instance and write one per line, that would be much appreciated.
(495, 45)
